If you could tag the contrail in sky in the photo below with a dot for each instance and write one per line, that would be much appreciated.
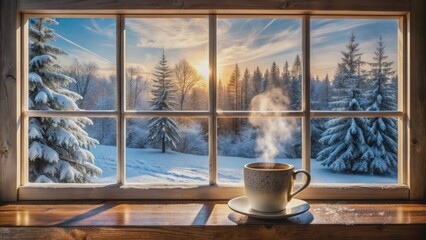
(85, 49)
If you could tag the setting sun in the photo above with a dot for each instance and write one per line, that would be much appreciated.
(203, 70)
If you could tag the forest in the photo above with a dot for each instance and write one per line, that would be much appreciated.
(60, 148)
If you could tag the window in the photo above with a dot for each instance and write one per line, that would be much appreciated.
(70, 78)
(354, 70)
(174, 106)
(166, 55)
(256, 59)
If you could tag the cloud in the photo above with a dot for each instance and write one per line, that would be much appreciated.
(332, 26)
(172, 33)
(108, 31)
(254, 43)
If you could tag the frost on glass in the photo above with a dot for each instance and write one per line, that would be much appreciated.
(70, 72)
(167, 57)
(354, 150)
(255, 56)
(354, 64)
(72, 150)
(167, 150)
(246, 140)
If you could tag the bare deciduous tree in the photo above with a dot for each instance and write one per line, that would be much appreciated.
(84, 74)
(186, 78)
(136, 85)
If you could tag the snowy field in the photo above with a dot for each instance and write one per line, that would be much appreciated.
(151, 166)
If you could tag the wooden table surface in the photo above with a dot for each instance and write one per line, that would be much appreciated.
(208, 219)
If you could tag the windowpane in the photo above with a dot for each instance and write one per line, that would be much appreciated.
(72, 150)
(72, 64)
(167, 55)
(354, 150)
(184, 158)
(354, 64)
(257, 56)
(246, 140)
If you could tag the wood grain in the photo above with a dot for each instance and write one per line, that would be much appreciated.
(269, 232)
(305, 5)
(9, 79)
(208, 220)
(417, 100)
(216, 192)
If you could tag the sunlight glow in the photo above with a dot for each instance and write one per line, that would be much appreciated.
(203, 70)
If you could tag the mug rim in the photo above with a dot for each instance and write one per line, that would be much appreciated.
(247, 166)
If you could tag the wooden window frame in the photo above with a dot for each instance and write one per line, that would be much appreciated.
(362, 8)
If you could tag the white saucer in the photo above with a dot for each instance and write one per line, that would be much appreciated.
(294, 207)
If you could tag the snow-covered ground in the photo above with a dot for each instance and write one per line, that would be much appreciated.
(152, 166)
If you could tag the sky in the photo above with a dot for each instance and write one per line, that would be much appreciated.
(250, 42)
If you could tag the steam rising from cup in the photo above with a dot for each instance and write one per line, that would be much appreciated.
(273, 130)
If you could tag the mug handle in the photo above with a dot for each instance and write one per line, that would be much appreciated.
(308, 180)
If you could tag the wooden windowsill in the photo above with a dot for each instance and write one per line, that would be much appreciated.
(208, 220)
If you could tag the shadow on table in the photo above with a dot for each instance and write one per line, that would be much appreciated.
(240, 219)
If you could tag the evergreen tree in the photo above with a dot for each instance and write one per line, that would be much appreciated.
(163, 130)
(317, 128)
(315, 92)
(265, 81)
(286, 80)
(296, 84)
(394, 87)
(348, 73)
(221, 95)
(257, 81)
(319, 89)
(274, 79)
(58, 146)
(245, 93)
(344, 138)
(295, 92)
(233, 94)
(234, 89)
(383, 138)
(326, 93)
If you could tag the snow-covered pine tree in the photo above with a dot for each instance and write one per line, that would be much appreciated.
(383, 138)
(296, 84)
(318, 124)
(163, 130)
(265, 81)
(286, 80)
(257, 81)
(233, 94)
(346, 149)
(325, 97)
(58, 146)
(234, 89)
(315, 92)
(274, 79)
(245, 93)
(221, 95)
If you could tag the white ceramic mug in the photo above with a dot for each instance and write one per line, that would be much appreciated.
(269, 185)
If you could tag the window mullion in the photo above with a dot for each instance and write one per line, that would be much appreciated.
(24, 101)
(306, 90)
(402, 101)
(212, 100)
(121, 93)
